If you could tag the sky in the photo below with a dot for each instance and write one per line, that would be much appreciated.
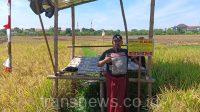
(106, 14)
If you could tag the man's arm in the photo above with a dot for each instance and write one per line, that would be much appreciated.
(103, 62)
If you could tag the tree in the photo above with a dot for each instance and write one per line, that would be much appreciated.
(170, 31)
(68, 31)
(32, 30)
(17, 30)
(143, 32)
(2, 32)
(158, 31)
(181, 31)
(51, 29)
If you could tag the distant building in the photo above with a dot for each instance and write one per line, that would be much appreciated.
(193, 28)
(186, 28)
(38, 30)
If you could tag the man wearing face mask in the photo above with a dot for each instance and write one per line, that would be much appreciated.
(116, 60)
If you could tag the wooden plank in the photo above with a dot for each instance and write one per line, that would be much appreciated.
(75, 77)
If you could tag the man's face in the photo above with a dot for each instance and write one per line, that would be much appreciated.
(117, 43)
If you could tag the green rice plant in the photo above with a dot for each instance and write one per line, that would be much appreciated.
(173, 100)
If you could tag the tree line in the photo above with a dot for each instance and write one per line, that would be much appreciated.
(92, 32)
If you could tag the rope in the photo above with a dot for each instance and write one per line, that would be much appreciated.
(45, 37)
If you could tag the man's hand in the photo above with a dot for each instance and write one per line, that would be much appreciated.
(107, 59)
(103, 62)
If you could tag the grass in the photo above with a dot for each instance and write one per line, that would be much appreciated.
(177, 100)
(176, 70)
(88, 52)
(177, 74)
(23, 89)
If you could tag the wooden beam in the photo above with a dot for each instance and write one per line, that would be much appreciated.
(73, 31)
(124, 19)
(81, 77)
(93, 46)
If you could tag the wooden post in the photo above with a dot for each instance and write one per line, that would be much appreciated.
(151, 28)
(45, 37)
(74, 82)
(56, 52)
(125, 23)
(56, 35)
(102, 96)
(73, 31)
(151, 33)
(139, 84)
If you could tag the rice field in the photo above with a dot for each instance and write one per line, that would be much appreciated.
(176, 70)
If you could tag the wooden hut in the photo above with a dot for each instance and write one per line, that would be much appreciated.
(82, 74)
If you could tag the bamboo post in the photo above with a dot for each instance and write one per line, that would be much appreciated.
(74, 82)
(151, 33)
(151, 28)
(125, 23)
(56, 35)
(102, 96)
(56, 51)
(73, 31)
(139, 84)
(45, 37)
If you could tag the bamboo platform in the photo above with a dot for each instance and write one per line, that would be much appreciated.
(88, 71)
(72, 76)
(87, 67)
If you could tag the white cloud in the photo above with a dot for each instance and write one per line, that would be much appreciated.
(176, 12)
